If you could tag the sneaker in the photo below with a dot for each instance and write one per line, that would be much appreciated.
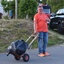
(46, 54)
(41, 55)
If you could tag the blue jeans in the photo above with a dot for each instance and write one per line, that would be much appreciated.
(42, 41)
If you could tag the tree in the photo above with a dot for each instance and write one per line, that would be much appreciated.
(56, 4)
(5, 5)
(8, 5)
(27, 7)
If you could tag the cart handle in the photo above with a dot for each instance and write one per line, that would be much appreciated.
(31, 37)
(35, 36)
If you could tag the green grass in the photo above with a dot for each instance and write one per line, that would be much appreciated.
(11, 30)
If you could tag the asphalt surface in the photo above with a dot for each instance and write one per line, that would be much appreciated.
(56, 57)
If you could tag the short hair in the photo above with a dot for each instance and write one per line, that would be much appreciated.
(40, 5)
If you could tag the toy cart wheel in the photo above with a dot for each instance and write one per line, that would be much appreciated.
(17, 58)
(25, 57)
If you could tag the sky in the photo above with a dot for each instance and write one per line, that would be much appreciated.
(9, 0)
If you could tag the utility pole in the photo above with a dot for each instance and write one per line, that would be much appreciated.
(15, 9)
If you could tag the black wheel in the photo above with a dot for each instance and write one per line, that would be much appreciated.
(62, 25)
(17, 58)
(54, 23)
(60, 29)
(25, 57)
(51, 25)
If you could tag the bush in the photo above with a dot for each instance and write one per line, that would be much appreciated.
(27, 7)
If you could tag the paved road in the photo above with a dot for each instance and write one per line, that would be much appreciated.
(56, 57)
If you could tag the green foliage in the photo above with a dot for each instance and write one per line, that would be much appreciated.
(3, 2)
(30, 6)
(8, 5)
(27, 7)
(56, 4)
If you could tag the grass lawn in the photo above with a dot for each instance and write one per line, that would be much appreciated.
(11, 30)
